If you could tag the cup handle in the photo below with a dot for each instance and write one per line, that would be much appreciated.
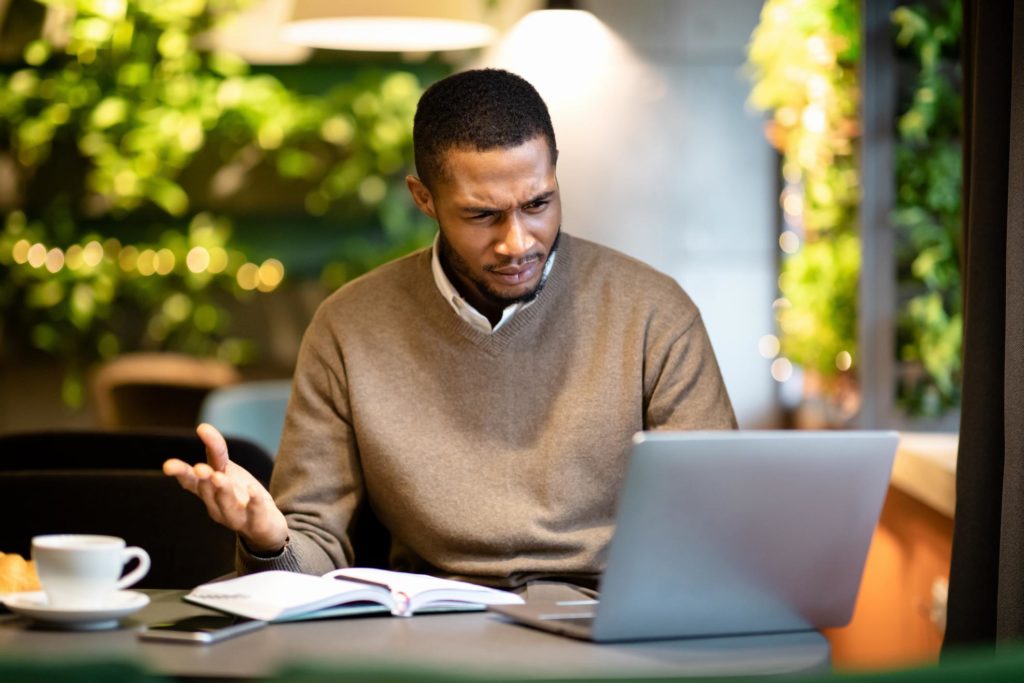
(135, 575)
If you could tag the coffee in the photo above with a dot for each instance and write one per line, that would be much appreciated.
(83, 571)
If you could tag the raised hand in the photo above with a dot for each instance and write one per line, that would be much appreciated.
(233, 497)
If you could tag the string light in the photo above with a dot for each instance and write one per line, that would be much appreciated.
(74, 258)
(20, 251)
(163, 261)
(198, 259)
(248, 276)
(92, 254)
(218, 260)
(146, 263)
(36, 255)
(54, 260)
(128, 258)
(271, 273)
(265, 277)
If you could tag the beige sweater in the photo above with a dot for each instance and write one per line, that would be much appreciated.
(494, 458)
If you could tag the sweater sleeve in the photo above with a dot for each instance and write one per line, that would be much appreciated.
(317, 481)
(683, 387)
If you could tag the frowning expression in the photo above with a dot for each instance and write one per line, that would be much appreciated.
(499, 213)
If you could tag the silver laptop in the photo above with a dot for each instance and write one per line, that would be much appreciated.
(728, 533)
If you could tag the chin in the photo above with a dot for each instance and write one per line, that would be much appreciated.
(515, 295)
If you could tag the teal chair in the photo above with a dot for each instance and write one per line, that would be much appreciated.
(254, 411)
(251, 410)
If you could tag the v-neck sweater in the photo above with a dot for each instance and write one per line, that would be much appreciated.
(495, 458)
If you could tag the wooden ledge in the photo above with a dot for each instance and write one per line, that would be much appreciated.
(925, 468)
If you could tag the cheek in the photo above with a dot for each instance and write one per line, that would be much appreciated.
(545, 225)
(469, 244)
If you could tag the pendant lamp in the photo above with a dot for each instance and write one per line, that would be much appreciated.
(390, 25)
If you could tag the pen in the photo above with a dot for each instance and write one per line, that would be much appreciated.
(367, 582)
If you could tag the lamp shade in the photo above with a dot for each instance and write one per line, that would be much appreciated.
(389, 25)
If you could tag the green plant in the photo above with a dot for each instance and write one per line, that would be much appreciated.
(112, 129)
(927, 214)
(802, 60)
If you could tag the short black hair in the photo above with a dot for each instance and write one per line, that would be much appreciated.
(481, 109)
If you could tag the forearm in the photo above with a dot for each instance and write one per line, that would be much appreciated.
(317, 481)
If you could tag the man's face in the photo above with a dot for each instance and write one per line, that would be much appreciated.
(499, 213)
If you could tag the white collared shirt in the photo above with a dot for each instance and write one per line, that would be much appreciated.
(463, 308)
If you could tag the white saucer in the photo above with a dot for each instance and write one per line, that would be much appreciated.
(35, 605)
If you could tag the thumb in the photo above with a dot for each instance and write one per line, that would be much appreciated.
(216, 447)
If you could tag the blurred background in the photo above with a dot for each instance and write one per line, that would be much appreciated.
(183, 181)
(176, 178)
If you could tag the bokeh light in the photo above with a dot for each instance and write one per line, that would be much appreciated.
(768, 346)
(198, 259)
(782, 369)
(789, 242)
(248, 276)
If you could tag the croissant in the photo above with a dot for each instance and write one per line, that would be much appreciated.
(17, 575)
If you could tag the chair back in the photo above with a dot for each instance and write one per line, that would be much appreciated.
(156, 390)
(112, 483)
(252, 410)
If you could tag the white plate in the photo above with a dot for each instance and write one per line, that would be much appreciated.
(35, 605)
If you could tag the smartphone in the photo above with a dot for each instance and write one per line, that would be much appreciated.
(204, 628)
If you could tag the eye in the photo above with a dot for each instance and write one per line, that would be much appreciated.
(537, 205)
(482, 216)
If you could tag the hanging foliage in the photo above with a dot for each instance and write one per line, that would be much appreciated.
(927, 217)
(117, 136)
(802, 60)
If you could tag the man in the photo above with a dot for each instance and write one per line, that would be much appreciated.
(480, 395)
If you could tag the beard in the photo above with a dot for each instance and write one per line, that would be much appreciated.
(452, 261)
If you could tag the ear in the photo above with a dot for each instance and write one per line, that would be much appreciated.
(421, 195)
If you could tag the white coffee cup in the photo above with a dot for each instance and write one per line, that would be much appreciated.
(83, 571)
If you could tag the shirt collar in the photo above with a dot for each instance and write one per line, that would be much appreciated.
(463, 308)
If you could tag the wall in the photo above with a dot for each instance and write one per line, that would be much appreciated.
(660, 158)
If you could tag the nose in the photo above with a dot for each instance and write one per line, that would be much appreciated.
(517, 240)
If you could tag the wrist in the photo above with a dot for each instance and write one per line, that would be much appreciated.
(263, 549)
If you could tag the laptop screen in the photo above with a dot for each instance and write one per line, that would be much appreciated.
(742, 532)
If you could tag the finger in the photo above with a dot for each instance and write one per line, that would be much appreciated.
(181, 471)
(237, 488)
(207, 491)
(230, 501)
(216, 446)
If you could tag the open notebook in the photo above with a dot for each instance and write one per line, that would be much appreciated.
(726, 533)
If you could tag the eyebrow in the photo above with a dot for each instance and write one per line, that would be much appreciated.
(490, 209)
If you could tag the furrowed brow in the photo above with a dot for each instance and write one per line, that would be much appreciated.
(479, 209)
(472, 209)
(543, 196)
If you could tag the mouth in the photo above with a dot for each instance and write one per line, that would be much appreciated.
(515, 274)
